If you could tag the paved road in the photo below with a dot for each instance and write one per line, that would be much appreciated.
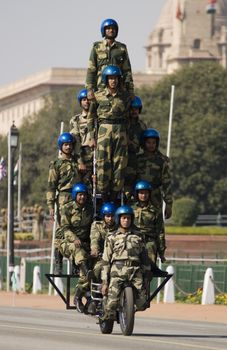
(32, 329)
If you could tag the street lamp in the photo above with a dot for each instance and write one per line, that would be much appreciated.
(13, 137)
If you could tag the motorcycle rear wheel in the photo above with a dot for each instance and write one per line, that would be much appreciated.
(126, 311)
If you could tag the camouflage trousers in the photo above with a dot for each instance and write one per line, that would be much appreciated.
(120, 275)
(152, 249)
(63, 197)
(87, 158)
(130, 174)
(112, 157)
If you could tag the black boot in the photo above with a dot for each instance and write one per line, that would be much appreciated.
(114, 196)
(58, 262)
(156, 272)
(84, 268)
(78, 302)
(75, 269)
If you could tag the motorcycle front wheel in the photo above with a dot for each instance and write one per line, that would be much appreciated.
(126, 311)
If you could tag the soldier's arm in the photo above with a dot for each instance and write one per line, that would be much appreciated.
(92, 115)
(107, 258)
(166, 185)
(77, 145)
(91, 77)
(161, 241)
(127, 73)
(52, 185)
(94, 238)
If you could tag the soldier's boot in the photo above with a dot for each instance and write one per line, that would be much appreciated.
(156, 272)
(78, 302)
(114, 196)
(75, 269)
(105, 197)
(58, 262)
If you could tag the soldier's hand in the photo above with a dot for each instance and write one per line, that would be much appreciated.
(90, 95)
(163, 259)
(82, 167)
(77, 243)
(168, 212)
(94, 253)
(93, 143)
(104, 289)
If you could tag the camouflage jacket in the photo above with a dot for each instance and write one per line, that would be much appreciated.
(78, 127)
(150, 222)
(101, 56)
(155, 169)
(99, 232)
(136, 127)
(124, 246)
(63, 174)
(108, 107)
(76, 221)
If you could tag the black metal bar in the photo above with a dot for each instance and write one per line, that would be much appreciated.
(51, 276)
(157, 290)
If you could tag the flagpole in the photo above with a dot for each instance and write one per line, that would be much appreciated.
(19, 186)
(8, 213)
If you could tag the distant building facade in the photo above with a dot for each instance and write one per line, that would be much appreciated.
(188, 31)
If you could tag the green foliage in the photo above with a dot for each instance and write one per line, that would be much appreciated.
(185, 211)
(199, 142)
(193, 230)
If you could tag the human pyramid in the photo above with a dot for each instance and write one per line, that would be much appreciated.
(110, 151)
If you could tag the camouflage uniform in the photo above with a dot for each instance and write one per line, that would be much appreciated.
(124, 259)
(63, 173)
(75, 224)
(78, 126)
(150, 222)
(136, 127)
(112, 154)
(101, 56)
(154, 168)
(99, 232)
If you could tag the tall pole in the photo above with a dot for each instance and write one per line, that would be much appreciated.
(19, 186)
(170, 121)
(9, 224)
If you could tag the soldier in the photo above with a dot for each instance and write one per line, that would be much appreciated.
(124, 259)
(111, 111)
(76, 221)
(99, 231)
(153, 166)
(4, 228)
(63, 173)
(136, 128)
(83, 149)
(150, 222)
(108, 52)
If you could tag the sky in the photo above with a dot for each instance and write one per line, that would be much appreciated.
(40, 34)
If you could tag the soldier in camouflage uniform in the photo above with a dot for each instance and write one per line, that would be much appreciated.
(83, 149)
(76, 221)
(63, 173)
(108, 52)
(149, 220)
(136, 128)
(124, 259)
(100, 230)
(153, 166)
(111, 111)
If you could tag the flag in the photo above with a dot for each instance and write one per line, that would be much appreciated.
(179, 13)
(15, 173)
(211, 7)
(3, 170)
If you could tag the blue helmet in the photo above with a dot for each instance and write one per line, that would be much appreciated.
(107, 208)
(110, 70)
(81, 94)
(124, 209)
(150, 133)
(78, 188)
(143, 185)
(65, 137)
(137, 103)
(108, 22)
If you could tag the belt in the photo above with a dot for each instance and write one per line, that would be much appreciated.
(112, 121)
(128, 263)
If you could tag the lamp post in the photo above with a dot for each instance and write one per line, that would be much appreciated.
(13, 137)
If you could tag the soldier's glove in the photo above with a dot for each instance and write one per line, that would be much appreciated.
(104, 289)
(168, 212)
(77, 243)
(94, 252)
